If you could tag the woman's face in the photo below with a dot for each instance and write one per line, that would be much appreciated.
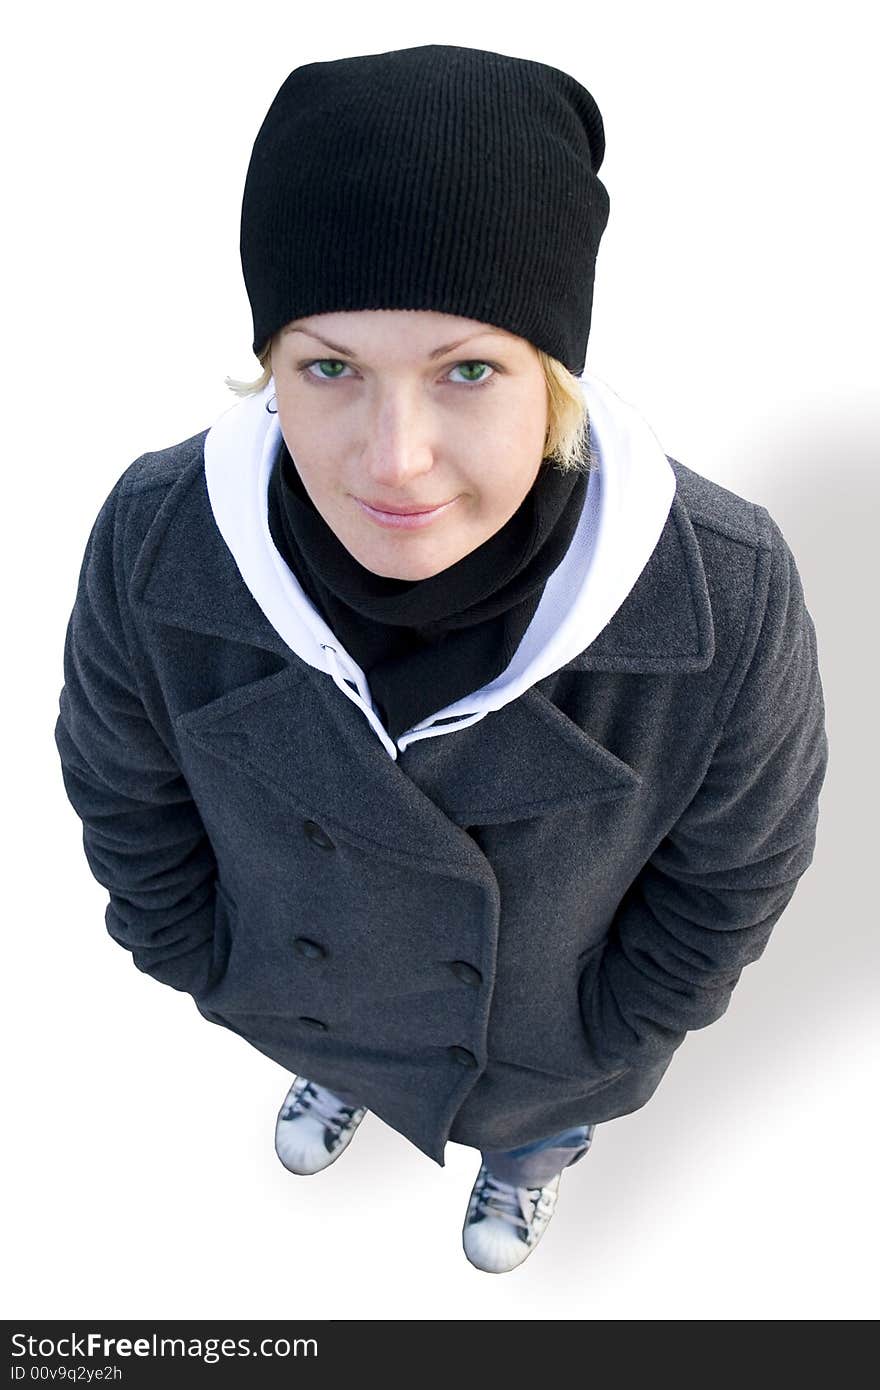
(410, 408)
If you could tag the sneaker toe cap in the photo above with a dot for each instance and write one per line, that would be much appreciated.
(493, 1245)
(300, 1145)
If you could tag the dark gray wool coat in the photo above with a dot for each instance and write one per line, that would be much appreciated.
(636, 822)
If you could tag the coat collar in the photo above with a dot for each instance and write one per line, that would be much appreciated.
(187, 575)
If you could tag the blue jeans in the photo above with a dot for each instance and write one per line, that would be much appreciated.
(530, 1165)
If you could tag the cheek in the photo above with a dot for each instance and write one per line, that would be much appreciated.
(510, 493)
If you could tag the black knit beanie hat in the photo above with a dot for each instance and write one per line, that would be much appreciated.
(437, 177)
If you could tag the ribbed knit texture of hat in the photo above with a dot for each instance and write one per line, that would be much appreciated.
(437, 177)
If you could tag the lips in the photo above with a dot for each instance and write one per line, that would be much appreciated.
(415, 510)
(404, 520)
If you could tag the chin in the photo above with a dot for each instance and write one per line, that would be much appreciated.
(409, 570)
(408, 573)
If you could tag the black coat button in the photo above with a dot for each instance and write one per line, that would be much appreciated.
(304, 947)
(314, 1023)
(466, 972)
(314, 832)
(462, 1056)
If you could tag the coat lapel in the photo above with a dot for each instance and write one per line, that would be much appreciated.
(185, 574)
(294, 731)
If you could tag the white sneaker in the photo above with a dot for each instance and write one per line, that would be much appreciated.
(504, 1223)
(313, 1127)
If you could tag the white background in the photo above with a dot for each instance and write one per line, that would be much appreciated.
(736, 306)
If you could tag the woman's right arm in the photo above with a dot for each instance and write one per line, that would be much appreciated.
(142, 834)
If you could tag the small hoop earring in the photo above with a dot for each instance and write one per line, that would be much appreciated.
(268, 411)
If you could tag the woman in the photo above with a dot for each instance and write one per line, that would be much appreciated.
(468, 819)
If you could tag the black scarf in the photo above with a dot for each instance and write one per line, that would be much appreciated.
(423, 644)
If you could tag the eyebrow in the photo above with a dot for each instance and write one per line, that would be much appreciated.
(438, 352)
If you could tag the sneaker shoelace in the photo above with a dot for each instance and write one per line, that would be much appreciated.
(518, 1205)
(335, 1116)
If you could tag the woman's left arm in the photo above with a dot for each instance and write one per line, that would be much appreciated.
(704, 905)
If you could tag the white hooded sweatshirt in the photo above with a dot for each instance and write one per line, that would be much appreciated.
(629, 495)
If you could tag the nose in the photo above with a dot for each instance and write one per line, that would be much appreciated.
(397, 447)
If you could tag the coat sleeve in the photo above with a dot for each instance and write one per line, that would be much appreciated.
(705, 903)
(142, 834)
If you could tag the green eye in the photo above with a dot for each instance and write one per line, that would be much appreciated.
(323, 362)
(471, 366)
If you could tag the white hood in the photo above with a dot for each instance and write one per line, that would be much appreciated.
(629, 495)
